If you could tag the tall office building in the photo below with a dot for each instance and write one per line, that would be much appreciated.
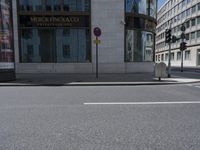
(56, 36)
(177, 13)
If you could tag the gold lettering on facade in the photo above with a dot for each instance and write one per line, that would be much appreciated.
(55, 20)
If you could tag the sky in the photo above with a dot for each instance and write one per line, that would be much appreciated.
(160, 2)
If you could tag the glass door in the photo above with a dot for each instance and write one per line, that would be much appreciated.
(47, 45)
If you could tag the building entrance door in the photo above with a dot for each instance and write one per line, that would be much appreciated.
(47, 46)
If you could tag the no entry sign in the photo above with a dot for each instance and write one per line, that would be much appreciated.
(97, 31)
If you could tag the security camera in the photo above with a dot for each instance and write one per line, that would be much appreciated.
(123, 22)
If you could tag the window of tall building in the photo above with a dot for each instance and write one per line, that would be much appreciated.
(194, 9)
(188, 1)
(30, 5)
(172, 56)
(198, 20)
(183, 3)
(178, 55)
(162, 57)
(146, 7)
(187, 24)
(193, 22)
(198, 34)
(166, 57)
(183, 14)
(187, 55)
(187, 36)
(54, 5)
(188, 12)
(78, 5)
(198, 5)
(193, 35)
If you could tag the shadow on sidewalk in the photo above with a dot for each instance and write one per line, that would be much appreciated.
(63, 79)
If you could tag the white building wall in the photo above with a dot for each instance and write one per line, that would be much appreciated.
(193, 44)
(109, 16)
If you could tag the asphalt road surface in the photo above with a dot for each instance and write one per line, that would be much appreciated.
(100, 118)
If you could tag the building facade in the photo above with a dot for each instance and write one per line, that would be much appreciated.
(56, 36)
(176, 13)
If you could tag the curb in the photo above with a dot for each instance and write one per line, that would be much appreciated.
(98, 84)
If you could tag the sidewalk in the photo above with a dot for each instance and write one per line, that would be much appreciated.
(90, 80)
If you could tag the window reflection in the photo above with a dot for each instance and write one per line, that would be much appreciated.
(139, 46)
(54, 5)
(30, 5)
(146, 7)
(78, 5)
(137, 6)
(153, 7)
(64, 45)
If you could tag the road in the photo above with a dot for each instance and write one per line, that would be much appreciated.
(58, 118)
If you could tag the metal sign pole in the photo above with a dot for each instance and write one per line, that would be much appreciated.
(97, 33)
(97, 58)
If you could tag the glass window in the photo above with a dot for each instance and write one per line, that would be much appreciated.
(178, 55)
(147, 7)
(199, 7)
(166, 56)
(53, 5)
(187, 24)
(198, 34)
(187, 55)
(193, 35)
(188, 1)
(198, 20)
(193, 9)
(64, 45)
(137, 6)
(193, 22)
(187, 36)
(30, 5)
(183, 14)
(188, 12)
(139, 46)
(172, 56)
(76, 5)
(162, 57)
(183, 3)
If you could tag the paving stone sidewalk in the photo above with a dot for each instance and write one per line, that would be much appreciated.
(91, 80)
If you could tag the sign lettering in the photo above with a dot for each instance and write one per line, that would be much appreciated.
(54, 21)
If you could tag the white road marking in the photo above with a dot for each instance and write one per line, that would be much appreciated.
(143, 103)
(197, 86)
(190, 85)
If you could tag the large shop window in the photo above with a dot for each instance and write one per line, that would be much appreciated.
(54, 5)
(139, 46)
(57, 33)
(145, 7)
(59, 45)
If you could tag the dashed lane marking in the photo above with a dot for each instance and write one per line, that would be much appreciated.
(143, 103)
